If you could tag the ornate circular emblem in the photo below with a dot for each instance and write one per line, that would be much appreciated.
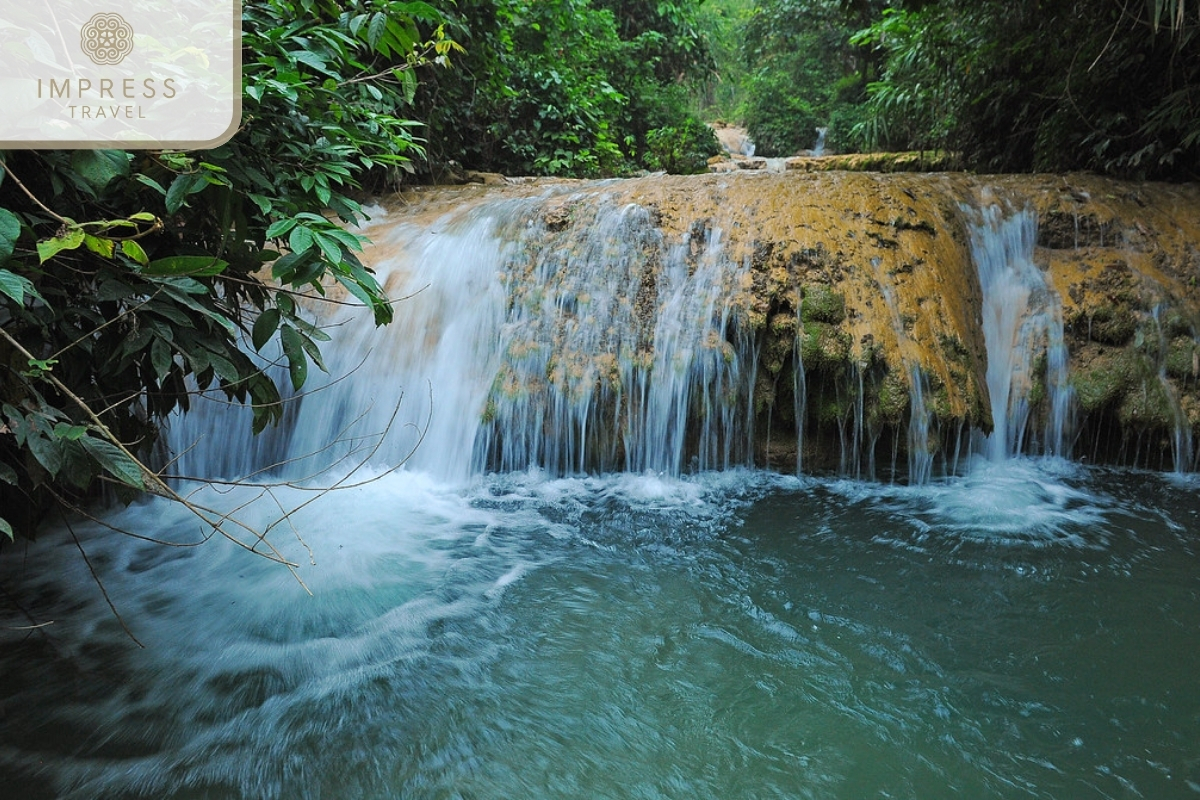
(106, 38)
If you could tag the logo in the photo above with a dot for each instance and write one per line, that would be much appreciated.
(106, 39)
(93, 81)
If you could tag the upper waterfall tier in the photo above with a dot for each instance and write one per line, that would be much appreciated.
(878, 325)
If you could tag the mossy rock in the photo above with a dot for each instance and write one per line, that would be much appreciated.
(1106, 379)
(829, 409)
(1059, 229)
(1147, 405)
(1177, 325)
(1182, 357)
(780, 343)
(822, 304)
(895, 396)
(1110, 325)
(824, 347)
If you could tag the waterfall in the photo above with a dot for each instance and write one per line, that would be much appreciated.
(1181, 439)
(578, 330)
(920, 455)
(407, 393)
(522, 342)
(621, 352)
(1022, 320)
(819, 148)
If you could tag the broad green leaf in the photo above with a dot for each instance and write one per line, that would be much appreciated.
(14, 286)
(78, 469)
(142, 216)
(300, 240)
(6, 529)
(329, 247)
(161, 357)
(265, 204)
(69, 432)
(293, 348)
(284, 269)
(47, 451)
(313, 351)
(376, 28)
(184, 284)
(70, 240)
(114, 461)
(168, 311)
(427, 12)
(310, 329)
(279, 227)
(225, 367)
(410, 86)
(183, 185)
(287, 306)
(148, 181)
(98, 245)
(183, 299)
(264, 327)
(197, 266)
(352, 241)
(135, 252)
(8, 474)
(10, 231)
(313, 60)
(113, 289)
(355, 289)
(99, 168)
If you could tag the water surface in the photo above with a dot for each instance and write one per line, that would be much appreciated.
(1030, 630)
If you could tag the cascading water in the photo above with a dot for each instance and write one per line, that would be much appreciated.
(920, 454)
(619, 353)
(1181, 440)
(601, 347)
(1022, 316)
(819, 148)
(423, 380)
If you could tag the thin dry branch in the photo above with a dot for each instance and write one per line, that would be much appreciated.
(112, 607)
(152, 482)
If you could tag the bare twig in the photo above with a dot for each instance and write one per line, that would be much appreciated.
(100, 584)
(152, 482)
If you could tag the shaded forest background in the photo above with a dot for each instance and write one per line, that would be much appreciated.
(600, 87)
(130, 280)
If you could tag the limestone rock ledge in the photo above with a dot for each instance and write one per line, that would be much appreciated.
(869, 277)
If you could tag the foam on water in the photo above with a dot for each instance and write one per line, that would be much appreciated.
(244, 673)
(1016, 502)
(242, 667)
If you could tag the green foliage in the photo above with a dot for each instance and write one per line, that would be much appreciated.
(720, 92)
(1104, 85)
(682, 150)
(565, 87)
(130, 279)
(807, 73)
